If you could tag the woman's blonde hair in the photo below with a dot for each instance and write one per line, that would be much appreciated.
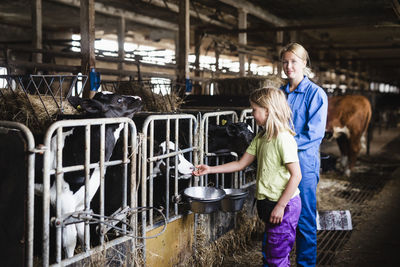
(279, 113)
(300, 52)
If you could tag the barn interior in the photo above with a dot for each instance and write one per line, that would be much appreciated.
(187, 56)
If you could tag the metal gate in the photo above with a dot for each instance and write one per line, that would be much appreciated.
(87, 216)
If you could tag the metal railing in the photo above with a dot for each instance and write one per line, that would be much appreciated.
(204, 154)
(247, 116)
(174, 126)
(85, 215)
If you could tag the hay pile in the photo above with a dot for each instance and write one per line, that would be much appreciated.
(245, 85)
(151, 101)
(238, 239)
(15, 106)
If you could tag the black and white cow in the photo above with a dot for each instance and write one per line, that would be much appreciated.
(231, 137)
(160, 171)
(185, 168)
(102, 105)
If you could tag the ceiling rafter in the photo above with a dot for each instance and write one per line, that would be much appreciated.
(129, 15)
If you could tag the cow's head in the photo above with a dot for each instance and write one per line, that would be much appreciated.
(235, 137)
(334, 128)
(108, 105)
(185, 168)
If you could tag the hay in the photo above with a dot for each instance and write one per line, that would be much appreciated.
(16, 106)
(238, 239)
(245, 85)
(151, 101)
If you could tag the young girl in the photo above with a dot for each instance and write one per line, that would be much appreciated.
(278, 173)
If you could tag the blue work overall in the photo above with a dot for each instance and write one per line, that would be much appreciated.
(309, 105)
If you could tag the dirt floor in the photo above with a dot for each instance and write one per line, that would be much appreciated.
(371, 195)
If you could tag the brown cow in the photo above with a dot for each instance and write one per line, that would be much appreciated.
(348, 120)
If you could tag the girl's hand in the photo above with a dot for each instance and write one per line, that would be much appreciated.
(201, 170)
(277, 214)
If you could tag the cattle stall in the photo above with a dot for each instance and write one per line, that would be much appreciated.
(86, 216)
(183, 130)
(205, 155)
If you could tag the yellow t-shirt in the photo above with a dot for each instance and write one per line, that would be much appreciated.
(272, 175)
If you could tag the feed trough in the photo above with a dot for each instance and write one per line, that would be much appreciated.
(233, 200)
(204, 199)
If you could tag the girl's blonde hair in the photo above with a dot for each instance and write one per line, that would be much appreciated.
(300, 52)
(279, 113)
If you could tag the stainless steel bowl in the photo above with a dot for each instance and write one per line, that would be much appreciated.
(233, 200)
(204, 199)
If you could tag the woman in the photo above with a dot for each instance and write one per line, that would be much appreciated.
(309, 105)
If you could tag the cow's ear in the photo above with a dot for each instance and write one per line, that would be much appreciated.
(93, 106)
(75, 101)
(88, 105)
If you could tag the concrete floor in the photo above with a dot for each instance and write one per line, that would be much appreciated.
(375, 241)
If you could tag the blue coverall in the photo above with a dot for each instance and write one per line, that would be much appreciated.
(309, 105)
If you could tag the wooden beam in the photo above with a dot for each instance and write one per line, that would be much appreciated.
(129, 15)
(183, 42)
(279, 41)
(292, 27)
(121, 41)
(175, 8)
(256, 11)
(242, 24)
(88, 60)
(37, 33)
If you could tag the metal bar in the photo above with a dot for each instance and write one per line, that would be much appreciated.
(176, 164)
(102, 173)
(144, 191)
(133, 195)
(59, 178)
(171, 154)
(151, 179)
(167, 139)
(87, 178)
(125, 171)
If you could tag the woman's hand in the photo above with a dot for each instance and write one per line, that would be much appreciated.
(201, 170)
(277, 214)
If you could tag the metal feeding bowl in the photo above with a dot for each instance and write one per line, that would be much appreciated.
(204, 199)
(233, 200)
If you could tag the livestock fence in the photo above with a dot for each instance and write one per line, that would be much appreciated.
(137, 161)
(205, 155)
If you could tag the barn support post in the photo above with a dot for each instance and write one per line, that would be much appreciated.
(279, 41)
(197, 44)
(36, 13)
(121, 42)
(217, 54)
(293, 36)
(183, 45)
(88, 61)
(242, 40)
